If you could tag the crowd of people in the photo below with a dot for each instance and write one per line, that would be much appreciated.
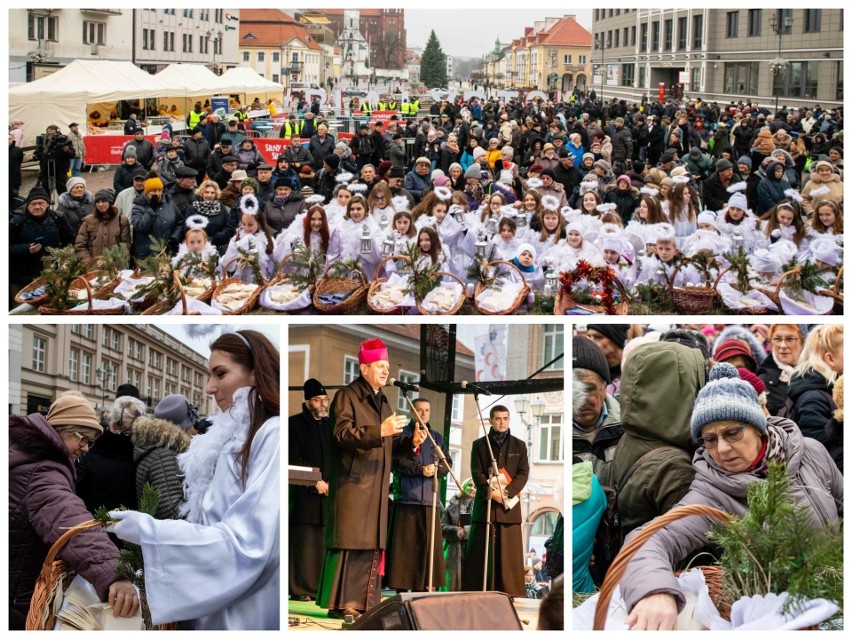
(345, 528)
(694, 415)
(637, 187)
(211, 556)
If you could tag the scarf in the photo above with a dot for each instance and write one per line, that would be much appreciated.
(786, 372)
(207, 208)
(524, 269)
(198, 464)
(771, 450)
(280, 200)
(497, 439)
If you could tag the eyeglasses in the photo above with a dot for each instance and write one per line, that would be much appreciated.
(85, 442)
(730, 435)
(789, 341)
(380, 197)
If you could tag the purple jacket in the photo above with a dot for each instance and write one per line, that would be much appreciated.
(42, 503)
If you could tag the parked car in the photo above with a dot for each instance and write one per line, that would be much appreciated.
(349, 92)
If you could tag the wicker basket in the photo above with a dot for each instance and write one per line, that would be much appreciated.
(357, 290)
(82, 282)
(146, 302)
(694, 300)
(282, 278)
(455, 307)
(712, 574)
(36, 301)
(105, 291)
(774, 292)
(162, 307)
(519, 298)
(836, 293)
(566, 303)
(376, 286)
(54, 575)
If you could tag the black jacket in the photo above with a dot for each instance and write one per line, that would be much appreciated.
(776, 390)
(511, 456)
(310, 445)
(51, 231)
(814, 405)
(107, 475)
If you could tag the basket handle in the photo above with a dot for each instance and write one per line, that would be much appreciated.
(182, 293)
(237, 259)
(619, 565)
(719, 278)
(519, 271)
(59, 544)
(784, 277)
(385, 261)
(88, 290)
(837, 282)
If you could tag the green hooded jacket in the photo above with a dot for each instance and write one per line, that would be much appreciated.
(659, 384)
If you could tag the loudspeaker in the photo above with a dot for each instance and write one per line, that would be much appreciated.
(442, 611)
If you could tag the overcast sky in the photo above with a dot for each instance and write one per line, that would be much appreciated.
(470, 33)
(202, 346)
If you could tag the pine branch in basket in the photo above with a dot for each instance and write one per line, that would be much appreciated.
(162, 288)
(806, 276)
(61, 268)
(114, 259)
(705, 262)
(308, 266)
(740, 265)
(423, 278)
(345, 269)
(251, 259)
(480, 272)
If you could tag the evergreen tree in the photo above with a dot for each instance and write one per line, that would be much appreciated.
(433, 64)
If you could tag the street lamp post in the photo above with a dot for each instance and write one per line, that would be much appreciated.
(779, 27)
(102, 374)
(522, 405)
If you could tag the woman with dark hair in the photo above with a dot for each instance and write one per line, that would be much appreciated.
(219, 569)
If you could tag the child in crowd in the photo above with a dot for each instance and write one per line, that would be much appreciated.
(827, 221)
(253, 236)
(195, 243)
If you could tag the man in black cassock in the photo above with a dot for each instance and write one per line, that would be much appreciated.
(506, 549)
(310, 445)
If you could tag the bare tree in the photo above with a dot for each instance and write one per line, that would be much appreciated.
(386, 50)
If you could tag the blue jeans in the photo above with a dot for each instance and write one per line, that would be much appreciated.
(76, 163)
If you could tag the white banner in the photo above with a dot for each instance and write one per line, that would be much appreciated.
(490, 355)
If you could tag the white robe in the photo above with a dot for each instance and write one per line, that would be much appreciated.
(223, 572)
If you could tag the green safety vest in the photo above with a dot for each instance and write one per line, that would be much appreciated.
(382, 106)
(391, 106)
(194, 119)
(290, 129)
(366, 108)
(405, 108)
(415, 107)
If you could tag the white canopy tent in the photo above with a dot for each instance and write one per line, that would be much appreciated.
(62, 97)
(250, 83)
(192, 80)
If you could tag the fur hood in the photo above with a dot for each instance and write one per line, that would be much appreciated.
(32, 439)
(151, 432)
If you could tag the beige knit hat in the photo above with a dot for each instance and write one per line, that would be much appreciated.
(72, 409)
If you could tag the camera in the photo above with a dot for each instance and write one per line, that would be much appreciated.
(57, 143)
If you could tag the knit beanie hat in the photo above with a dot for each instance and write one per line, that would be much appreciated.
(74, 181)
(177, 410)
(473, 171)
(105, 194)
(332, 160)
(153, 184)
(372, 350)
(745, 160)
(615, 333)
(313, 388)
(738, 200)
(732, 347)
(37, 194)
(756, 383)
(127, 389)
(726, 397)
(588, 156)
(586, 354)
(72, 409)
(478, 152)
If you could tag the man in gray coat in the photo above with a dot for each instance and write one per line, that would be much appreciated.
(365, 435)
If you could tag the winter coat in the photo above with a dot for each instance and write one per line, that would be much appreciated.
(42, 504)
(776, 390)
(99, 232)
(51, 231)
(288, 175)
(75, 210)
(511, 456)
(162, 224)
(156, 445)
(325, 184)
(455, 547)
(811, 395)
(416, 184)
(409, 484)
(220, 227)
(834, 185)
(396, 155)
(626, 201)
(656, 407)
(601, 451)
(622, 145)
(360, 468)
(310, 445)
(320, 148)
(144, 152)
(196, 153)
(770, 190)
(715, 193)
(297, 156)
(106, 476)
(281, 217)
(815, 484)
(249, 159)
(16, 159)
(167, 170)
(123, 178)
(182, 198)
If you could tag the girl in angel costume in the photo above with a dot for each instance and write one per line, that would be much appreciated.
(551, 232)
(827, 221)
(681, 208)
(784, 222)
(355, 227)
(195, 243)
(576, 248)
(310, 229)
(618, 254)
(432, 211)
(336, 208)
(218, 568)
(253, 236)
(736, 221)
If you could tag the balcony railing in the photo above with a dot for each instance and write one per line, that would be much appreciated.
(109, 12)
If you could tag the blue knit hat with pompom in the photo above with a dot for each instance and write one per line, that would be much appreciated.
(726, 397)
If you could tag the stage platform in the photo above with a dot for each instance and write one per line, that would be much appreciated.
(312, 617)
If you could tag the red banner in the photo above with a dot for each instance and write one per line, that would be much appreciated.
(106, 149)
(271, 148)
(383, 118)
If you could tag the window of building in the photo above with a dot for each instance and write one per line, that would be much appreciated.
(165, 40)
(42, 27)
(655, 36)
(838, 93)
(105, 336)
(184, 373)
(187, 13)
(624, 39)
(681, 33)
(350, 369)
(156, 394)
(219, 15)
(171, 41)
(550, 438)
(261, 56)
(544, 524)
(85, 368)
(171, 367)
(754, 17)
(741, 77)
(644, 42)
(275, 77)
(94, 32)
(246, 56)
(73, 364)
(608, 39)
(171, 389)
(813, 18)
(627, 74)
(697, 31)
(409, 378)
(154, 358)
(610, 13)
(554, 345)
(458, 408)
(196, 399)
(668, 35)
(187, 43)
(198, 380)
(75, 329)
(115, 340)
(581, 59)
(567, 58)
(204, 15)
(780, 16)
(642, 71)
(88, 331)
(276, 56)
(798, 80)
(616, 43)
(633, 36)
(732, 24)
(39, 354)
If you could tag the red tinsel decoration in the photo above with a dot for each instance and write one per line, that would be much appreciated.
(603, 275)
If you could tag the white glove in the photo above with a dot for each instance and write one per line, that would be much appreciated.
(776, 233)
(129, 528)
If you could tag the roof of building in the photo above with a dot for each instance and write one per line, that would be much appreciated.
(271, 27)
(567, 32)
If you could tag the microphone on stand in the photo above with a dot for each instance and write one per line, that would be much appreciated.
(475, 388)
(411, 388)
